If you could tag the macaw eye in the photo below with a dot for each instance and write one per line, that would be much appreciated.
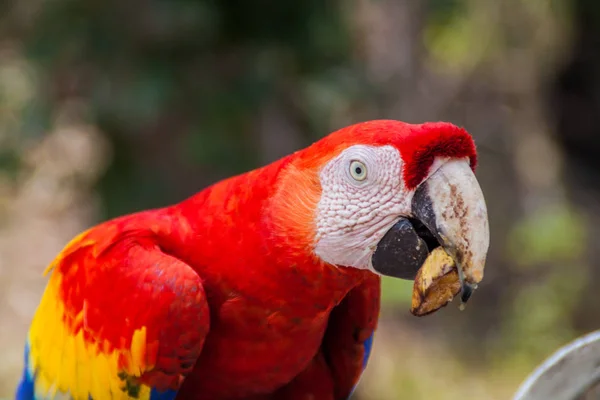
(358, 170)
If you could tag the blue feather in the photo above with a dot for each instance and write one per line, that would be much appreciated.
(368, 344)
(25, 390)
(166, 395)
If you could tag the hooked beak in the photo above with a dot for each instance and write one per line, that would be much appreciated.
(448, 210)
(451, 205)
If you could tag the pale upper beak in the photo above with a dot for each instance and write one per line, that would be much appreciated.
(448, 210)
(451, 205)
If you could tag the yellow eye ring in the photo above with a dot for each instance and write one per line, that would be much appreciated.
(358, 170)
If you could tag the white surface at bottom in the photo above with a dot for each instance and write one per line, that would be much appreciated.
(567, 373)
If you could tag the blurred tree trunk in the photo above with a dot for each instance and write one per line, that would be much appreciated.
(574, 103)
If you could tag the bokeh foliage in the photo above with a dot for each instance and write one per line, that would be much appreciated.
(184, 78)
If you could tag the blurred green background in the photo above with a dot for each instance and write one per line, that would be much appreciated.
(108, 107)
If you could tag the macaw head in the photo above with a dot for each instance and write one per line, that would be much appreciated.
(381, 195)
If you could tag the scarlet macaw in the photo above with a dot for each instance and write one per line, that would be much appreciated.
(265, 285)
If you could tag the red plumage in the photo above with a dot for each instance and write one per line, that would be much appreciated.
(419, 144)
(228, 286)
(118, 275)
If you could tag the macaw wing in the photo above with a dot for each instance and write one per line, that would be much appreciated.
(349, 336)
(119, 319)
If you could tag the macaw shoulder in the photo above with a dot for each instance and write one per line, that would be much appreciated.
(97, 240)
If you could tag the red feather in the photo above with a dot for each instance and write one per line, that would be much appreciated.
(418, 144)
(282, 322)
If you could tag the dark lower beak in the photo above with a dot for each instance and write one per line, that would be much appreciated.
(401, 251)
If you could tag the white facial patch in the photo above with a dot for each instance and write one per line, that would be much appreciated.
(362, 196)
